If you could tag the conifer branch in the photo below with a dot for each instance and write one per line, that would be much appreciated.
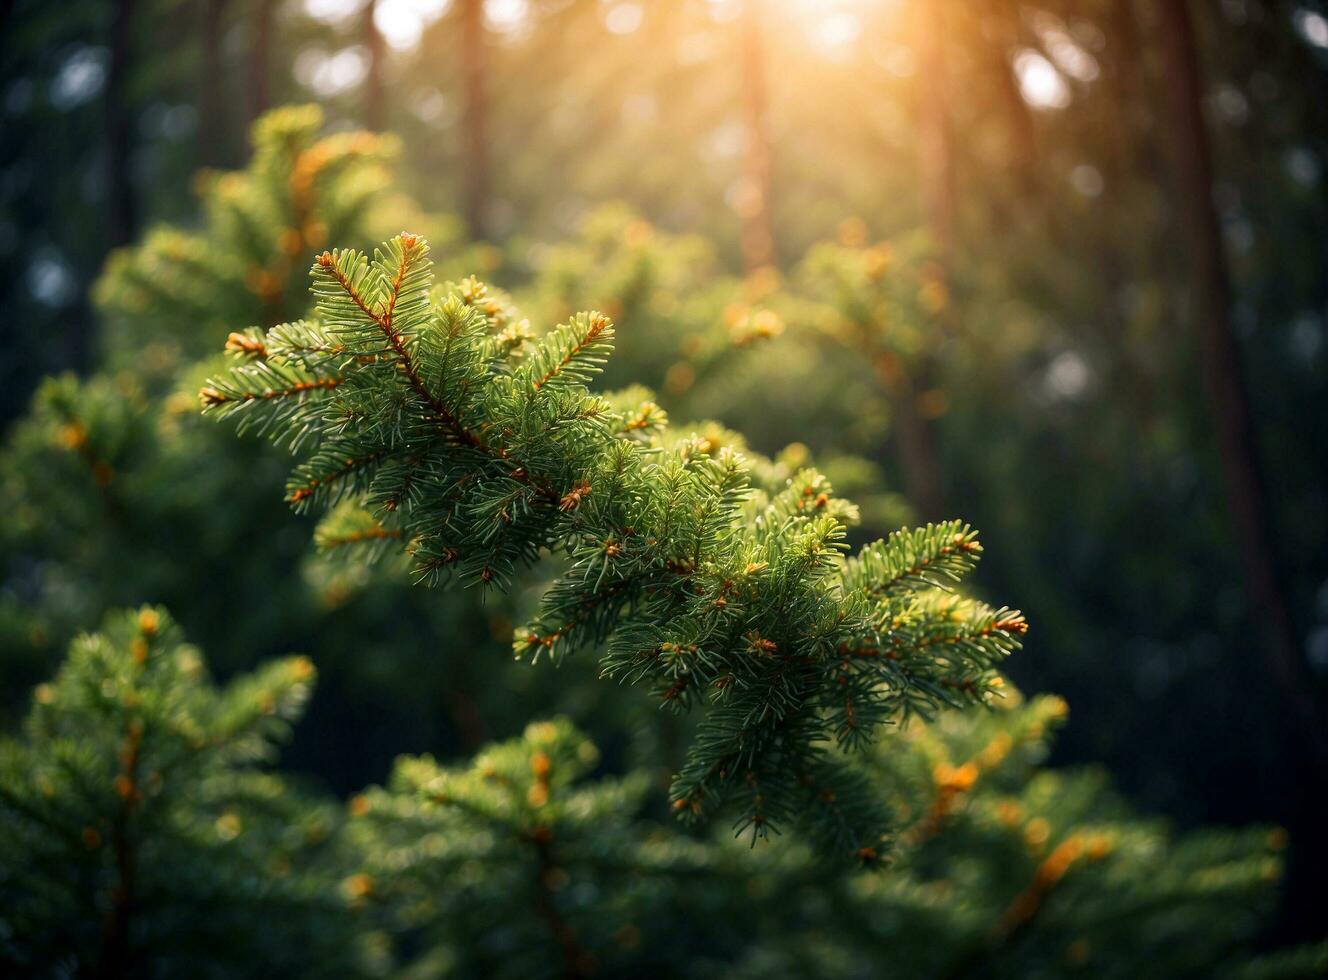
(73, 435)
(299, 492)
(212, 398)
(1019, 916)
(328, 261)
(408, 245)
(574, 339)
(928, 557)
(694, 581)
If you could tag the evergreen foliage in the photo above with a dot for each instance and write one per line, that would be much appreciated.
(481, 455)
(174, 297)
(143, 836)
(107, 504)
(666, 291)
(525, 860)
(516, 864)
(298, 189)
(140, 832)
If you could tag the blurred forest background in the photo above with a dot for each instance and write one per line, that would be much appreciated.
(1057, 267)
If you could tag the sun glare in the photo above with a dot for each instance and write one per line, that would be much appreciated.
(402, 22)
(1040, 82)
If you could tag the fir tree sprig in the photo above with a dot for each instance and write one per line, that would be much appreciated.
(695, 582)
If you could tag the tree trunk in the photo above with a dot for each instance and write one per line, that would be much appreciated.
(474, 119)
(915, 438)
(758, 237)
(260, 44)
(211, 124)
(1229, 402)
(1004, 25)
(121, 206)
(1123, 252)
(935, 149)
(374, 105)
(914, 429)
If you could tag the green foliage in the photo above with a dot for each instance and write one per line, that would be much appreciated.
(1014, 870)
(140, 833)
(516, 864)
(769, 359)
(237, 268)
(113, 494)
(106, 506)
(698, 584)
(179, 293)
(668, 290)
(105, 472)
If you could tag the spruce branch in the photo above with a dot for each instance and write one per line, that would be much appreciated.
(692, 578)
(928, 557)
(404, 272)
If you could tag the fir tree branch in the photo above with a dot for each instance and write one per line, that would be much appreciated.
(700, 586)
(327, 261)
(212, 398)
(926, 557)
(580, 336)
(300, 492)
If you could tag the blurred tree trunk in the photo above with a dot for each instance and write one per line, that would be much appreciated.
(1128, 78)
(915, 437)
(1124, 253)
(1003, 24)
(758, 238)
(211, 125)
(935, 149)
(121, 207)
(474, 119)
(260, 44)
(914, 428)
(374, 105)
(1229, 401)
